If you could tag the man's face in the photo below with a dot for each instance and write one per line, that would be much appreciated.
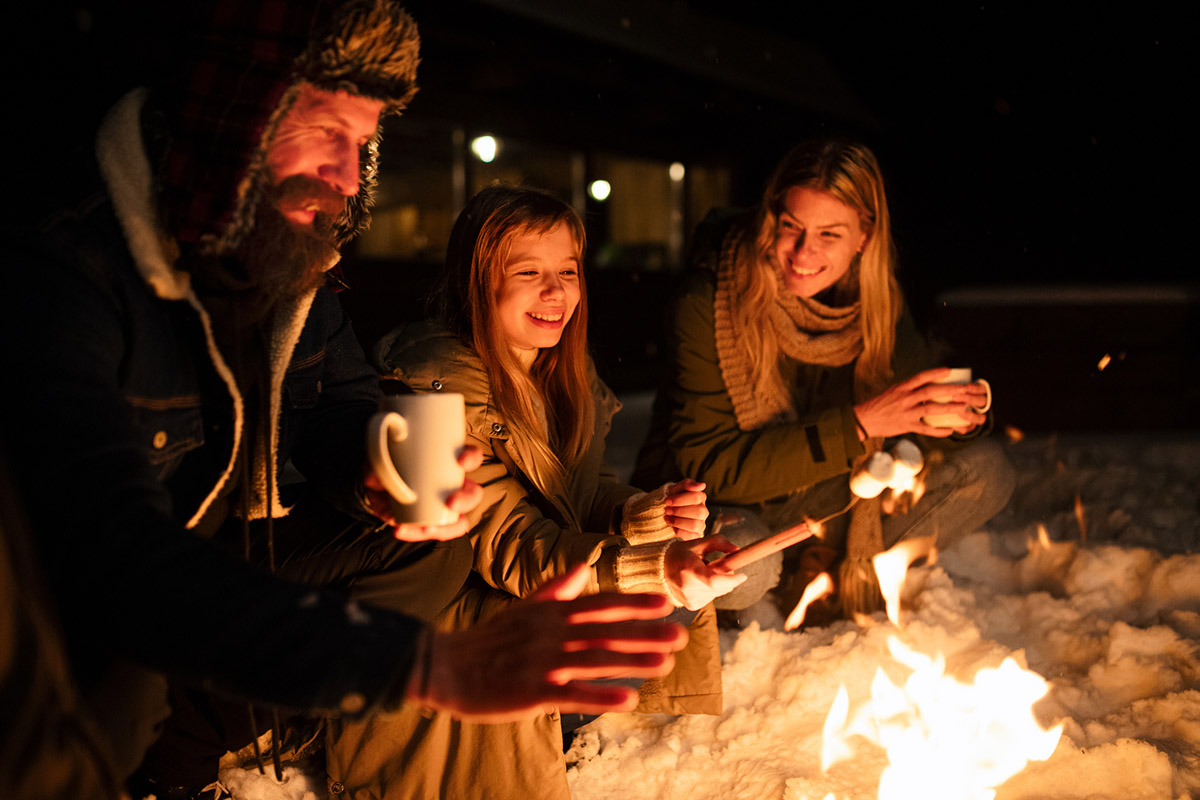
(312, 161)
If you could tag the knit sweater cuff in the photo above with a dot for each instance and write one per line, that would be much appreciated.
(644, 517)
(643, 568)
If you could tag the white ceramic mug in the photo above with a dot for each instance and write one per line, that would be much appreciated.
(413, 445)
(958, 376)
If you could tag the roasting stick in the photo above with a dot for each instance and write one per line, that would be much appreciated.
(772, 544)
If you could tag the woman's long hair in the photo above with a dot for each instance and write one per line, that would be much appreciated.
(849, 172)
(464, 299)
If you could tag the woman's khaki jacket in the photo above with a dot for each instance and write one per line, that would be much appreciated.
(521, 538)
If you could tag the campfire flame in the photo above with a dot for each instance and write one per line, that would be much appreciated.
(1080, 518)
(818, 587)
(1043, 536)
(946, 739)
(891, 567)
(954, 740)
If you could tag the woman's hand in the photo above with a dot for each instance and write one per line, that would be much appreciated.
(460, 502)
(694, 581)
(685, 508)
(899, 410)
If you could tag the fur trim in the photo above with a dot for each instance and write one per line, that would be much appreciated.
(126, 171)
(127, 177)
(371, 48)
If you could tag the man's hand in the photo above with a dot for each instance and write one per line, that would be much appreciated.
(695, 581)
(462, 501)
(542, 653)
(686, 508)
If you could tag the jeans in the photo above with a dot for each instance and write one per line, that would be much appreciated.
(964, 488)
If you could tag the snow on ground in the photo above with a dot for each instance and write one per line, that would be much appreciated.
(1112, 622)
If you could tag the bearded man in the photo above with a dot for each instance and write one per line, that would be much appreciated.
(174, 344)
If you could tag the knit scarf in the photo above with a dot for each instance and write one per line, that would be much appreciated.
(807, 330)
(810, 332)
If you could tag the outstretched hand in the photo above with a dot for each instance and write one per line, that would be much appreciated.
(460, 502)
(900, 408)
(543, 651)
(686, 508)
(696, 582)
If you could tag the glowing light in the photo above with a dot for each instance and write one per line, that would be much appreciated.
(946, 739)
(485, 148)
(1043, 536)
(676, 171)
(1104, 362)
(1014, 434)
(600, 190)
(818, 587)
(891, 567)
(1080, 518)
(954, 740)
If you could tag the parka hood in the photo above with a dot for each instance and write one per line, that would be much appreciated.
(425, 357)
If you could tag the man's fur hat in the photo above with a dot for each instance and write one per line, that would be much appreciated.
(241, 77)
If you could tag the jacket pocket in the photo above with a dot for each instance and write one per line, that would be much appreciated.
(302, 381)
(168, 426)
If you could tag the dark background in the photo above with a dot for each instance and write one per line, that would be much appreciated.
(1029, 147)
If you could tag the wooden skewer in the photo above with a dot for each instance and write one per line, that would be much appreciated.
(772, 544)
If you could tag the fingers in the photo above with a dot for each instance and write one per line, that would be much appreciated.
(697, 510)
(683, 486)
(564, 587)
(684, 527)
(613, 607)
(470, 457)
(594, 664)
(410, 532)
(700, 586)
(684, 531)
(712, 544)
(634, 636)
(590, 698)
(466, 498)
(922, 378)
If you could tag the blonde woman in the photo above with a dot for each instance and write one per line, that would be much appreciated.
(791, 356)
(510, 335)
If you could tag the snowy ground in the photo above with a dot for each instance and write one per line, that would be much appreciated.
(1111, 619)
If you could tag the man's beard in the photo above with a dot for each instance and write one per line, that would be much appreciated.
(284, 262)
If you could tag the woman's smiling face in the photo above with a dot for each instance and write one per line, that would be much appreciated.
(816, 240)
(539, 288)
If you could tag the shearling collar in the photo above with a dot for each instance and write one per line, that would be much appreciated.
(127, 175)
(129, 179)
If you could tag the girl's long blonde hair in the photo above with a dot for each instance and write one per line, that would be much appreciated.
(464, 299)
(849, 172)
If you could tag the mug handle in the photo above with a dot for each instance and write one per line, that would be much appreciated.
(383, 428)
(987, 405)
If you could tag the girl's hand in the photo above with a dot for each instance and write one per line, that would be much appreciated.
(900, 408)
(685, 508)
(695, 582)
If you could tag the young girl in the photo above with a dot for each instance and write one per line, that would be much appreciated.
(791, 357)
(510, 335)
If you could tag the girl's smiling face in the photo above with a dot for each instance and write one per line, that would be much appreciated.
(816, 240)
(539, 288)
